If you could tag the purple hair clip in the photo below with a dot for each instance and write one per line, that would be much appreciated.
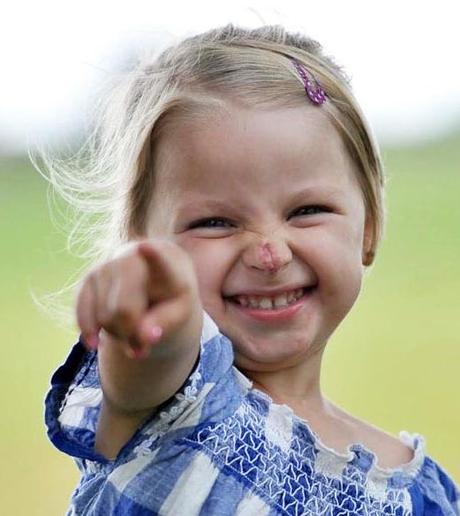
(312, 87)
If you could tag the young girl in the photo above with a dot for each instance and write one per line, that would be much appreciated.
(246, 201)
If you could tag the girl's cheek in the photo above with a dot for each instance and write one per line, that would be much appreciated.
(206, 258)
(193, 248)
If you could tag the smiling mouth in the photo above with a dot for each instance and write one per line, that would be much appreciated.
(277, 302)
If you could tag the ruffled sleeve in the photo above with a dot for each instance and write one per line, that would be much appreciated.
(434, 493)
(73, 402)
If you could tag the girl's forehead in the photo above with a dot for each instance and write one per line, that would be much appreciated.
(249, 147)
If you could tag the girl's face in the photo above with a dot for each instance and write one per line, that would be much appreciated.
(268, 206)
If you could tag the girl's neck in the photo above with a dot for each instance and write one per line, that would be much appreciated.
(298, 387)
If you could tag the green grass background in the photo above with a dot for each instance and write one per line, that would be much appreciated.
(394, 361)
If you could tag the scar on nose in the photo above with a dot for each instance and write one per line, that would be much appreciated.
(268, 257)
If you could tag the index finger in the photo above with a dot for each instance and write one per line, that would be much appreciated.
(168, 266)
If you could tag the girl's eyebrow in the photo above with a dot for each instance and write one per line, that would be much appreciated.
(324, 190)
(198, 206)
(233, 205)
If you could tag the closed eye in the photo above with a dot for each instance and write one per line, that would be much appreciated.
(309, 210)
(211, 222)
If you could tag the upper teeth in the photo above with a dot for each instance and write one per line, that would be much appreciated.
(268, 303)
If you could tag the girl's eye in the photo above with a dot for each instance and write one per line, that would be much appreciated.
(309, 210)
(212, 222)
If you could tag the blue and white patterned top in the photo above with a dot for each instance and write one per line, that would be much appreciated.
(220, 447)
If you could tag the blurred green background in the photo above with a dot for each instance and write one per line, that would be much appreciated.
(393, 362)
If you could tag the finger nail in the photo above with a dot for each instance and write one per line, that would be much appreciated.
(92, 341)
(139, 353)
(155, 333)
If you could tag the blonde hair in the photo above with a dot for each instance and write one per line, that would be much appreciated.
(109, 182)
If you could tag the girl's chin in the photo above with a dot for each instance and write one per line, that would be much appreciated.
(268, 354)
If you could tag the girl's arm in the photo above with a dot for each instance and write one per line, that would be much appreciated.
(145, 307)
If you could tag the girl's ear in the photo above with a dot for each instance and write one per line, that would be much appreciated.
(367, 253)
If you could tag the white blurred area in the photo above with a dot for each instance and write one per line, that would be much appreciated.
(403, 57)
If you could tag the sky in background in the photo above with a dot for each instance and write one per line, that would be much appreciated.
(402, 56)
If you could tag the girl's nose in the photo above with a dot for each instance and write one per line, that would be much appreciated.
(267, 255)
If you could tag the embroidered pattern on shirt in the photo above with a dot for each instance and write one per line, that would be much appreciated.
(289, 480)
(166, 417)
